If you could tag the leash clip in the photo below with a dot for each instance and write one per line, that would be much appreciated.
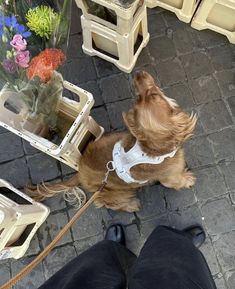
(110, 168)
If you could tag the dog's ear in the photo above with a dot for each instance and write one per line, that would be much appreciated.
(183, 125)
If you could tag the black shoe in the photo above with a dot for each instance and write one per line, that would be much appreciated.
(116, 233)
(196, 234)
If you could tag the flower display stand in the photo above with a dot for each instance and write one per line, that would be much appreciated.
(217, 15)
(184, 9)
(81, 128)
(120, 49)
(20, 217)
(123, 16)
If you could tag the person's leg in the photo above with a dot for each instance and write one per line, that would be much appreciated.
(102, 266)
(169, 260)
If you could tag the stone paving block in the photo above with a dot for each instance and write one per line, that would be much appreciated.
(181, 93)
(232, 196)
(34, 247)
(198, 152)
(209, 184)
(184, 40)
(196, 64)
(34, 279)
(228, 170)
(104, 68)
(152, 202)
(162, 48)
(225, 248)
(134, 241)
(115, 111)
(204, 89)
(5, 273)
(76, 20)
(90, 224)
(29, 150)
(51, 227)
(143, 59)
(94, 88)
(15, 172)
(115, 88)
(214, 115)
(226, 80)
(219, 216)
(100, 115)
(170, 72)
(223, 143)
(43, 168)
(11, 147)
(173, 22)
(231, 102)
(185, 218)
(156, 25)
(111, 217)
(220, 283)
(210, 38)
(3, 130)
(66, 170)
(177, 200)
(209, 253)
(55, 203)
(222, 57)
(230, 278)
(57, 259)
(147, 227)
(80, 70)
(75, 47)
(85, 244)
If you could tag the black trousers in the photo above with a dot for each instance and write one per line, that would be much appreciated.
(168, 260)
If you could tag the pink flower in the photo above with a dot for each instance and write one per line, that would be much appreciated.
(18, 42)
(22, 58)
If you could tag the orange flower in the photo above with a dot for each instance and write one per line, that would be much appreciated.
(45, 63)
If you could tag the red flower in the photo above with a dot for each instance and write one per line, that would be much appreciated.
(45, 63)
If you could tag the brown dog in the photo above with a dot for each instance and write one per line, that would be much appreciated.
(160, 127)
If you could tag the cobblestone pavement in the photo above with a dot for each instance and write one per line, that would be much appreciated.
(197, 69)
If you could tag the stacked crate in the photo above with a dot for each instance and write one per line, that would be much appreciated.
(113, 31)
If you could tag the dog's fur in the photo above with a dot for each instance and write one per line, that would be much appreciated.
(160, 126)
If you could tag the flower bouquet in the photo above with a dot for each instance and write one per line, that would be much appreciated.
(33, 40)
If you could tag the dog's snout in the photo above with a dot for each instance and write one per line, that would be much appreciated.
(139, 74)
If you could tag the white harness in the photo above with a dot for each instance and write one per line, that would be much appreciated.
(124, 161)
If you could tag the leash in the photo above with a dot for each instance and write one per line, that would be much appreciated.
(60, 235)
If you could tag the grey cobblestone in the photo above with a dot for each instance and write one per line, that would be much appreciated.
(55, 203)
(219, 216)
(4, 273)
(93, 88)
(220, 283)
(16, 172)
(214, 116)
(33, 280)
(225, 248)
(184, 40)
(100, 115)
(226, 82)
(210, 38)
(210, 255)
(51, 227)
(223, 143)
(104, 68)
(186, 217)
(230, 277)
(210, 184)
(222, 60)
(228, 170)
(196, 64)
(164, 71)
(177, 200)
(204, 89)
(11, 147)
(152, 202)
(181, 93)
(156, 25)
(110, 217)
(42, 168)
(148, 226)
(57, 259)
(162, 48)
(231, 102)
(28, 149)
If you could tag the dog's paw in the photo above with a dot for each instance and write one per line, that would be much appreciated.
(188, 179)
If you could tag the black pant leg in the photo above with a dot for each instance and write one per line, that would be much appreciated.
(103, 266)
(169, 260)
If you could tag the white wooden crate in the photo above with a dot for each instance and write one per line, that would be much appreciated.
(20, 217)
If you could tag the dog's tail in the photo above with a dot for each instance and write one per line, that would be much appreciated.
(43, 191)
